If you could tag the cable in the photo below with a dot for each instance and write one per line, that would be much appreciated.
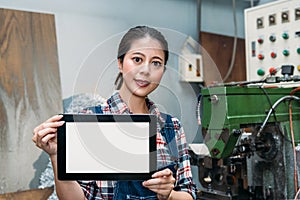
(295, 90)
(293, 142)
(199, 109)
(274, 115)
(297, 194)
(234, 43)
(272, 109)
(269, 101)
(294, 148)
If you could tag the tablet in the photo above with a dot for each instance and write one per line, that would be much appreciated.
(106, 147)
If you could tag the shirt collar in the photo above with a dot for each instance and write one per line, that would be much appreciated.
(118, 106)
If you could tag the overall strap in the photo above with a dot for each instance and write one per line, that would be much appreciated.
(168, 131)
(95, 109)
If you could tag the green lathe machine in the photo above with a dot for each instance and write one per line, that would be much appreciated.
(231, 110)
(251, 141)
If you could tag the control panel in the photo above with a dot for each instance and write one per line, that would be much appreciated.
(272, 35)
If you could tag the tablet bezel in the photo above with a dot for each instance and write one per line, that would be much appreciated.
(98, 118)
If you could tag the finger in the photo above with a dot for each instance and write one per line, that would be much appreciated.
(165, 172)
(54, 118)
(34, 139)
(48, 125)
(53, 124)
(45, 140)
(160, 185)
(161, 189)
(51, 121)
(46, 131)
(42, 133)
(159, 181)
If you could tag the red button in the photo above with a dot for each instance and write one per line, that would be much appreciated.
(260, 40)
(273, 70)
(273, 55)
(260, 56)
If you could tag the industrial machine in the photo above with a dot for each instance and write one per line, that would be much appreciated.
(251, 133)
(251, 129)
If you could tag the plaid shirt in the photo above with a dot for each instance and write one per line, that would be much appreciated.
(184, 182)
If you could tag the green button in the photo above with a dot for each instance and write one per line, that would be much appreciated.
(298, 50)
(285, 36)
(260, 72)
(286, 52)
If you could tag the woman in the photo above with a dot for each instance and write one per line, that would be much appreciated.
(142, 56)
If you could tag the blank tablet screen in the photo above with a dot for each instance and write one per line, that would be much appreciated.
(107, 147)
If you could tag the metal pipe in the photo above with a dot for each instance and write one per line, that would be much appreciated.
(199, 19)
(273, 108)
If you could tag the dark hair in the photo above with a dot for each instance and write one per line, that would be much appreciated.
(133, 34)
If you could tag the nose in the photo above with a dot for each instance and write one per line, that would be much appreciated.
(145, 68)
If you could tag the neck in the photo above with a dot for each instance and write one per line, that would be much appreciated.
(136, 104)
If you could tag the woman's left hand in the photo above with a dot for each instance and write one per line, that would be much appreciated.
(162, 183)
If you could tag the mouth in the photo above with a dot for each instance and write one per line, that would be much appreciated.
(142, 83)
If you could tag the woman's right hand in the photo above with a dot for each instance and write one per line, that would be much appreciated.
(45, 135)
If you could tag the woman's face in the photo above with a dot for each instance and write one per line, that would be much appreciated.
(142, 67)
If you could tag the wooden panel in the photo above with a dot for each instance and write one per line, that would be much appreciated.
(29, 92)
(39, 194)
(219, 48)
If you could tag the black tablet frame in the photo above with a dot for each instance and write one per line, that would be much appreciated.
(98, 118)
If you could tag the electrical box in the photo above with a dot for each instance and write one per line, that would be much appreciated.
(272, 35)
(191, 68)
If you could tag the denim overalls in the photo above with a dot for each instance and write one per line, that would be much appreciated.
(134, 189)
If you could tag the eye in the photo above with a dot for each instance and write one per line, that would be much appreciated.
(137, 59)
(157, 64)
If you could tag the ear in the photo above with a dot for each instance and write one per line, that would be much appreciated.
(120, 66)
